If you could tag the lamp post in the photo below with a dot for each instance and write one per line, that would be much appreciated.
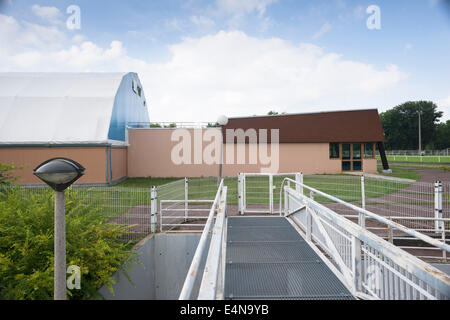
(59, 174)
(222, 121)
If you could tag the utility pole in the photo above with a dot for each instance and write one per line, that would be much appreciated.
(420, 134)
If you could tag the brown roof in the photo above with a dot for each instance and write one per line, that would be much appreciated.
(336, 126)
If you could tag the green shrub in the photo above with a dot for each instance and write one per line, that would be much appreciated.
(26, 246)
(6, 173)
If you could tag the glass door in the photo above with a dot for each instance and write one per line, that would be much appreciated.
(346, 157)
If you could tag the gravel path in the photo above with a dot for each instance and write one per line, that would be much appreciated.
(430, 175)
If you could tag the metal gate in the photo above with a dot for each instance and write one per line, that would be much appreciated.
(256, 191)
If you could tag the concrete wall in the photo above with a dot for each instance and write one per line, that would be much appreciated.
(165, 260)
(149, 154)
(93, 159)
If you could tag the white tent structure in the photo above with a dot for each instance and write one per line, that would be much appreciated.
(69, 108)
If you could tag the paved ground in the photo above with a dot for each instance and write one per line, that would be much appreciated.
(429, 175)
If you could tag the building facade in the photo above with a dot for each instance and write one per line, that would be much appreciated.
(82, 116)
(88, 118)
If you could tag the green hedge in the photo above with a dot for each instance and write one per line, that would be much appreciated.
(26, 246)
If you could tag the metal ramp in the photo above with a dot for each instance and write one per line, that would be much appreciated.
(266, 258)
(308, 252)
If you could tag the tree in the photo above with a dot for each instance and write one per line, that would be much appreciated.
(401, 125)
(274, 113)
(442, 136)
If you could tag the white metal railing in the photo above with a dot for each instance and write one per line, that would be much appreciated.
(212, 282)
(371, 267)
(170, 125)
(420, 206)
(445, 152)
(177, 213)
(256, 191)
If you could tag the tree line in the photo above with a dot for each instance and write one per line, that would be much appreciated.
(401, 127)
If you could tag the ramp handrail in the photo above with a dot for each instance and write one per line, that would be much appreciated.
(392, 224)
(371, 267)
(191, 277)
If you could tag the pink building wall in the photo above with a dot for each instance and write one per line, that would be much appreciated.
(149, 155)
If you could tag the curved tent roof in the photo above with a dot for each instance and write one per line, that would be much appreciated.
(68, 107)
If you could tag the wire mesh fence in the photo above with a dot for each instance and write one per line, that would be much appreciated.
(397, 199)
(260, 192)
(129, 207)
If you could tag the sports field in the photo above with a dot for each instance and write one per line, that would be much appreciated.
(425, 159)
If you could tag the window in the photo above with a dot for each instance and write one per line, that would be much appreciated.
(139, 89)
(334, 150)
(356, 151)
(134, 85)
(368, 150)
(345, 151)
(346, 165)
(357, 165)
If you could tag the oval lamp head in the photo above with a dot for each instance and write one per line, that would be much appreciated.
(222, 120)
(59, 173)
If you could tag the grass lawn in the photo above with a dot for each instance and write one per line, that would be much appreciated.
(345, 187)
(400, 173)
(425, 159)
(145, 182)
(419, 166)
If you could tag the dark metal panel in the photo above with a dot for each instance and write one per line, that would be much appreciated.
(321, 127)
(304, 280)
(268, 259)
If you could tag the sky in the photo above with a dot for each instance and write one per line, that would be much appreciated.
(201, 59)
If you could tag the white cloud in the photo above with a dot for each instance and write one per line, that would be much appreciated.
(51, 14)
(239, 7)
(202, 21)
(234, 74)
(323, 29)
(237, 10)
(224, 73)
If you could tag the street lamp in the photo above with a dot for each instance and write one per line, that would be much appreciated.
(222, 121)
(59, 174)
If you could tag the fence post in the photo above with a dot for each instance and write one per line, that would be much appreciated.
(153, 208)
(308, 224)
(286, 199)
(361, 216)
(299, 179)
(244, 194)
(356, 264)
(271, 193)
(239, 193)
(438, 224)
(186, 198)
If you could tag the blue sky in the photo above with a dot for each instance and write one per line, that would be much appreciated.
(199, 59)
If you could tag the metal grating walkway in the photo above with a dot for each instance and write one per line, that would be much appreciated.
(268, 259)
